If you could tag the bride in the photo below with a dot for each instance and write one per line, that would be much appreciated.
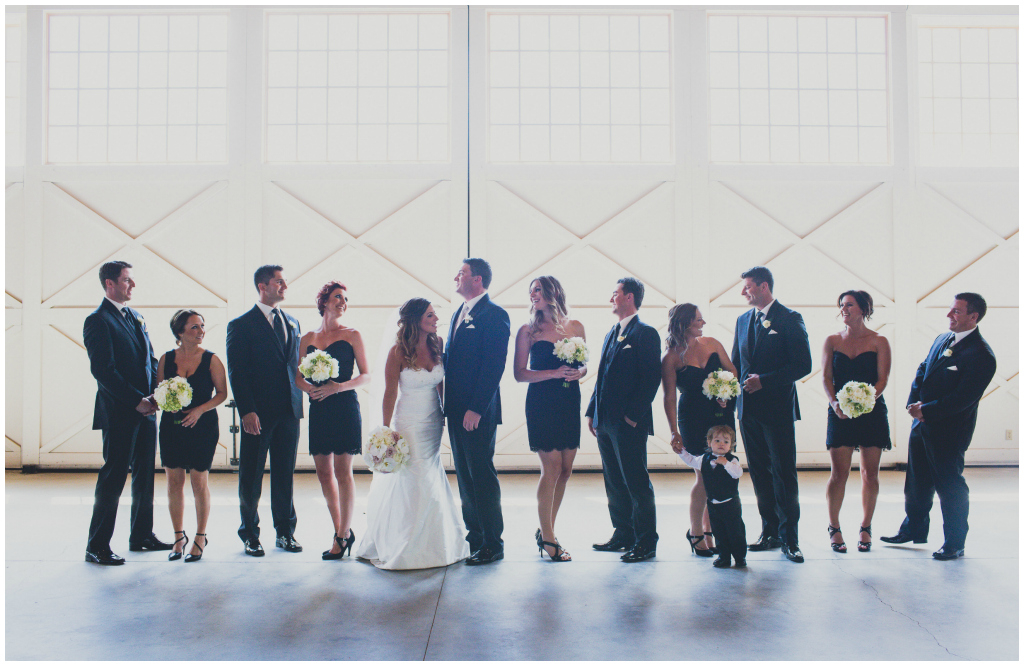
(412, 519)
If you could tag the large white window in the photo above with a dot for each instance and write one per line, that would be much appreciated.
(568, 87)
(799, 89)
(357, 86)
(137, 88)
(967, 93)
(14, 89)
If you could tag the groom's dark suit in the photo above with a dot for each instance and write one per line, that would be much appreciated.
(474, 362)
(780, 355)
(262, 374)
(122, 361)
(949, 388)
(627, 380)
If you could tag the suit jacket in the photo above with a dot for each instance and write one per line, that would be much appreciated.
(474, 360)
(779, 354)
(260, 369)
(950, 387)
(121, 359)
(628, 377)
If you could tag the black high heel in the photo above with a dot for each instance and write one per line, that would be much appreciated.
(694, 540)
(175, 555)
(864, 546)
(345, 544)
(837, 547)
(206, 542)
(561, 554)
(540, 539)
(710, 534)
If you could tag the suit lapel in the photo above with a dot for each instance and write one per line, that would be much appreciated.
(941, 361)
(616, 345)
(751, 333)
(759, 336)
(264, 325)
(116, 314)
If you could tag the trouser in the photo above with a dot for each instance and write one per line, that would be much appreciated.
(623, 451)
(127, 444)
(279, 436)
(935, 465)
(771, 459)
(473, 454)
(727, 524)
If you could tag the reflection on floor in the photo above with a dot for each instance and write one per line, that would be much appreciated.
(891, 603)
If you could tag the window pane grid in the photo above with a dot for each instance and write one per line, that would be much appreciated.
(357, 87)
(137, 88)
(578, 88)
(14, 62)
(798, 89)
(968, 96)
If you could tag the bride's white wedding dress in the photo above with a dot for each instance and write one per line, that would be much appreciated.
(412, 519)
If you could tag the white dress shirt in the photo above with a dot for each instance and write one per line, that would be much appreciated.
(733, 466)
(467, 308)
(957, 337)
(120, 306)
(268, 312)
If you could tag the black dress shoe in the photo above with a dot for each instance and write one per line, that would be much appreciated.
(723, 562)
(149, 543)
(614, 544)
(485, 556)
(740, 563)
(103, 557)
(639, 553)
(792, 553)
(289, 543)
(253, 548)
(902, 537)
(947, 553)
(765, 542)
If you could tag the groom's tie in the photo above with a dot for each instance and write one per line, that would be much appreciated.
(948, 343)
(279, 328)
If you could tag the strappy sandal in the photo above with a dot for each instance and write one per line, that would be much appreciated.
(206, 542)
(837, 547)
(864, 546)
(710, 535)
(561, 554)
(175, 555)
(540, 539)
(694, 540)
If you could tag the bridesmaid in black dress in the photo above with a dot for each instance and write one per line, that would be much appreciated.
(689, 359)
(855, 354)
(188, 439)
(335, 426)
(552, 408)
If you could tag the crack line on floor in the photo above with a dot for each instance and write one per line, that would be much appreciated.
(434, 618)
(890, 607)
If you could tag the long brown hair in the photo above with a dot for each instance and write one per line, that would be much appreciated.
(409, 316)
(552, 292)
(679, 319)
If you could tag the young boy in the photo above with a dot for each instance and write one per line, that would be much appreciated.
(721, 472)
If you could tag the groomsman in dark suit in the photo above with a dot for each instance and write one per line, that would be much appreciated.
(474, 362)
(771, 352)
(944, 403)
(263, 355)
(620, 416)
(122, 361)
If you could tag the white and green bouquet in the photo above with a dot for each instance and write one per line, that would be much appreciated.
(318, 366)
(386, 450)
(572, 351)
(173, 394)
(856, 399)
(721, 385)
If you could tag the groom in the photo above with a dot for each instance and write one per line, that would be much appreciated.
(474, 362)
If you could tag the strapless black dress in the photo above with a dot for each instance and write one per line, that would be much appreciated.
(552, 410)
(335, 425)
(696, 413)
(871, 429)
(190, 448)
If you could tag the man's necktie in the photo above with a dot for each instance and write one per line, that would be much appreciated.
(279, 327)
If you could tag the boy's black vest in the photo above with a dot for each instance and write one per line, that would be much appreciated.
(717, 482)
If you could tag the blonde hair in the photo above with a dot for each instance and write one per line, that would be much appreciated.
(552, 292)
(408, 338)
(723, 430)
(679, 319)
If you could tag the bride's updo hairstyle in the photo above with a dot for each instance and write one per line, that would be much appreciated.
(552, 292)
(409, 316)
(864, 302)
(679, 319)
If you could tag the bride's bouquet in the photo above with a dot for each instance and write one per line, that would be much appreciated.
(318, 366)
(856, 399)
(386, 450)
(573, 351)
(721, 385)
(173, 394)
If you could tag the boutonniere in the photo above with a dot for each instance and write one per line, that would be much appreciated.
(767, 323)
(947, 353)
(468, 319)
(291, 323)
(142, 323)
(621, 338)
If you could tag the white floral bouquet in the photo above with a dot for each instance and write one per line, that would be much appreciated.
(572, 351)
(318, 366)
(856, 399)
(386, 450)
(721, 385)
(173, 394)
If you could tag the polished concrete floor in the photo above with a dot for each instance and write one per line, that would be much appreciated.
(891, 603)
